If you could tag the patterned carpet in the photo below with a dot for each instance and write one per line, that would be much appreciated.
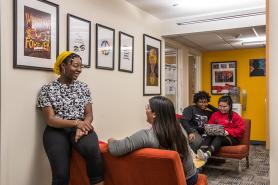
(257, 174)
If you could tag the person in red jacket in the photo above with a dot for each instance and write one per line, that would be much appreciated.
(233, 126)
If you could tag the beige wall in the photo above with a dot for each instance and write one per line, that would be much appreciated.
(117, 112)
(118, 101)
(273, 90)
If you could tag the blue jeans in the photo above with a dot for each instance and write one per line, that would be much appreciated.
(193, 180)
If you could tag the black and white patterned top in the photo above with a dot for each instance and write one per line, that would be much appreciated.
(68, 101)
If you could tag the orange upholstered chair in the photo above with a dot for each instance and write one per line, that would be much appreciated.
(142, 167)
(238, 151)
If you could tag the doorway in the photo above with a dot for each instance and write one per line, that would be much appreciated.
(171, 73)
(192, 77)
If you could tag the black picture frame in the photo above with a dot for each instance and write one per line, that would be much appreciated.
(79, 38)
(257, 67)
(105, 50)
(151, 66)
(126, 52)
(223, 77)
(36, 45)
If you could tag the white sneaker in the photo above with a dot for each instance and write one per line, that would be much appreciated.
(201, 155)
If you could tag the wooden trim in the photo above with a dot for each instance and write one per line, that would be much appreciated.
(267, 75)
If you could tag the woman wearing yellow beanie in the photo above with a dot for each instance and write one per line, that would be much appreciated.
(67, 107)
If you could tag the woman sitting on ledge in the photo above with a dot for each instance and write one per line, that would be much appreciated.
(66, 104)
(165, 133)
(233, 126)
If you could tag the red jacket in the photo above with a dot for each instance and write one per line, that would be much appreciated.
(235, 128)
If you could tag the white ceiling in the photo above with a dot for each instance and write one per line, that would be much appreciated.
(164, 9)
(222, 39)
(212, 40)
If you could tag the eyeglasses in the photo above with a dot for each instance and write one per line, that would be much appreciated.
(147, 107)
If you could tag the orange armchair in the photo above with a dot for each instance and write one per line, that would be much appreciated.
(240, 151)
(142, 167)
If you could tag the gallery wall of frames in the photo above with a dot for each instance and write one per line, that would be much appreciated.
(36, 43)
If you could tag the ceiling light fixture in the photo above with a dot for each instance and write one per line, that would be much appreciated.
(219, 18)
(175, 3)
(251, 43)
(255, 32)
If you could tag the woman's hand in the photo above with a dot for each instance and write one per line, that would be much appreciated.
(78, 134)
(85, 126)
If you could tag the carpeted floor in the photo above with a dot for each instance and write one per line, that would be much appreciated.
(257, 174)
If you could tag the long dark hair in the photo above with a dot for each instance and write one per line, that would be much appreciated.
(166, 127)
(229, 101)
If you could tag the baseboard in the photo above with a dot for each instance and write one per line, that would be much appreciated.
(254, 142)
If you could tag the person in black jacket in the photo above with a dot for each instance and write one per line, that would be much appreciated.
(194, 118)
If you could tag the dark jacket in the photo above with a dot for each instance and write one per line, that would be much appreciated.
(194, 118)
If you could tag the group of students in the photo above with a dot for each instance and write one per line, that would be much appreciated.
(66, 104)
(195, 116)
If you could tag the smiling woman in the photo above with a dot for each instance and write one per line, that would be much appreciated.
(67, 108)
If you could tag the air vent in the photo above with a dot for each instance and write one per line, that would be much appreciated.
(221, 18)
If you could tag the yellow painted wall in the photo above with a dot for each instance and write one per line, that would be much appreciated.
(255, 86)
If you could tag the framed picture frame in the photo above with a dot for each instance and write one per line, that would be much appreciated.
(36, 34)
(79, 38)
(105, 44)
(126, 52)
(256, 67)
(223, 76)
(151, 66)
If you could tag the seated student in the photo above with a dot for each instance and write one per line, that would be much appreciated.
(194, 118)
(233, 126)
(165, 133)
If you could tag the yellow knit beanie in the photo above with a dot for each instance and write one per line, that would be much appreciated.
(59, 61)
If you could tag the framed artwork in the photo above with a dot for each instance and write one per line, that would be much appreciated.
(223, 76)
(257, 67)
(36, 34)
(105, 42)
(152, 66)
(79, 38)
(126, 52)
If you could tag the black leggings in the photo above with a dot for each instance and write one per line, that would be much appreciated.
(57, 144)
(214, 143)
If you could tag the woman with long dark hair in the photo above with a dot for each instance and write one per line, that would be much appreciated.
(165, 133)
(233, 126)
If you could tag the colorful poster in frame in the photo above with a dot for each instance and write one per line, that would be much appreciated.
(79, 38)
(223, 77)
(36, 38)
(152, 66)
(256, 67)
